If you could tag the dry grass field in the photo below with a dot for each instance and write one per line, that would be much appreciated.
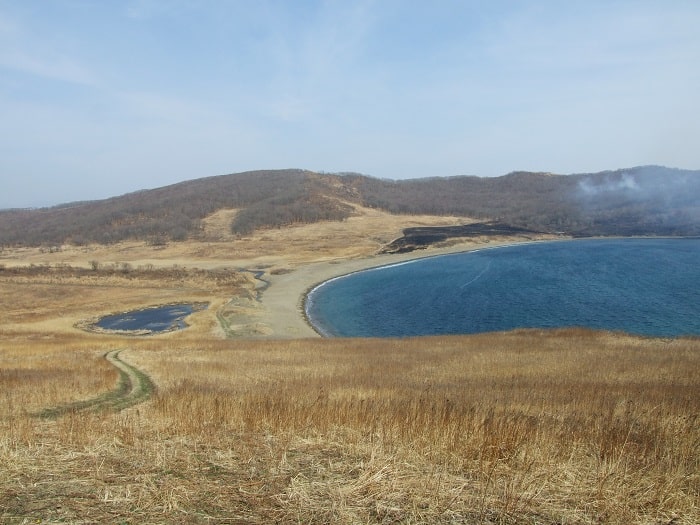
(361, 235)
(560, 427)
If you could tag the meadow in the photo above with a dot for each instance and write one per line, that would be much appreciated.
(203, 426)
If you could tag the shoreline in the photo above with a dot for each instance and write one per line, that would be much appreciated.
(350, 267)
(283, 302)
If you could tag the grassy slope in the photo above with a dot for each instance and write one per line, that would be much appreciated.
(528, 427)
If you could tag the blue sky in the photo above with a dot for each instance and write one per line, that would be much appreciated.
(100, 98)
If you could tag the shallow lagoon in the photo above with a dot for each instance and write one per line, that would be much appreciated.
(155, 319)
(640, 286)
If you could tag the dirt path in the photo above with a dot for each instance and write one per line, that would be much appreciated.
(133, 387)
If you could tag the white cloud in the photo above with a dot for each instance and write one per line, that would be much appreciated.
(50, 65)
(22, 50)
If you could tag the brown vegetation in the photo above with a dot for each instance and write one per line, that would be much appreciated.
(363, 234)
(647, 200)
(569, 426)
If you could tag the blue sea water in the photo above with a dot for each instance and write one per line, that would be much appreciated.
(640, 286)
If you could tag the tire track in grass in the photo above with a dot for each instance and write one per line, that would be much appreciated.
(133, 387)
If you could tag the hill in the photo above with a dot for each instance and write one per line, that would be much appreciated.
(530, 426)
(647, 200)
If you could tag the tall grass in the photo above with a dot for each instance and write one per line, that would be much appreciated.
(568, 426)
(573, 426)
(36, 374)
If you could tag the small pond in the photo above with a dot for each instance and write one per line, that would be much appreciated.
(155, 319)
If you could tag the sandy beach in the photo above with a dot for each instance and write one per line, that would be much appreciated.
(282, 302)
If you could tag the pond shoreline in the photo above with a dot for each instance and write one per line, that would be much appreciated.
(178, 323)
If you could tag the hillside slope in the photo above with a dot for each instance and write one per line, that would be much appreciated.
(648, 200)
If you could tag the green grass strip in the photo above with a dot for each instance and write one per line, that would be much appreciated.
(133, 387)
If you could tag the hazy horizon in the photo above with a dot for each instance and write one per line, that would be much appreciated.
(103, 99)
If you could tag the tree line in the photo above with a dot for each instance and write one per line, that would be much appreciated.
(637, 201)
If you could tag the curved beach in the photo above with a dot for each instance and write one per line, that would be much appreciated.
(282, 302)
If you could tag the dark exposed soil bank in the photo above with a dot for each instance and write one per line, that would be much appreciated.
(423, 236)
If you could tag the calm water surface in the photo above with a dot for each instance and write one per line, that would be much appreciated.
(155, 319)
(641, 286)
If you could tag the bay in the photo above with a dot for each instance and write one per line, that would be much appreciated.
(640, 286)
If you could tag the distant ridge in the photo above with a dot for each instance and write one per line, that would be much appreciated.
(644, 200)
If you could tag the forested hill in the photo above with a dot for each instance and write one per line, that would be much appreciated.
(647, 200)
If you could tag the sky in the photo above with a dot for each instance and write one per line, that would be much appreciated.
(101, 98)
